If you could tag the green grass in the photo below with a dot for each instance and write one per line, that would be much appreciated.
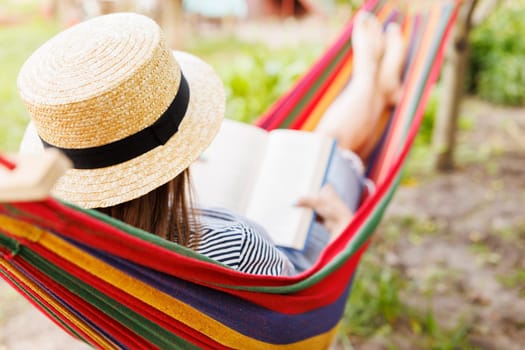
(514, 279)
(376, 310)
(16, 44)
(374, 305)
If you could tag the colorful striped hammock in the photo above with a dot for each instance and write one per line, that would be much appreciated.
(114, 286)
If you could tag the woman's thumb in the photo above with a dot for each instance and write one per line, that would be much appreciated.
(306, 202)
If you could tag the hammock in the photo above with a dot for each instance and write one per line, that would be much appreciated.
(114, 286)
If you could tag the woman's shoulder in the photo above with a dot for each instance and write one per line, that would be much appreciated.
(220, 228)
(220, 237)
(239, 243)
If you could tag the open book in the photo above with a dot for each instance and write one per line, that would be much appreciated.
(261, 175)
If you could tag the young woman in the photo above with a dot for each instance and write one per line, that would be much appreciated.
(133, 116)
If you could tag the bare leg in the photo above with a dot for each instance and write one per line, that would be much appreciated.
(353, 116)
(392, 63)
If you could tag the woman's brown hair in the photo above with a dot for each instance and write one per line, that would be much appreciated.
(166, 211)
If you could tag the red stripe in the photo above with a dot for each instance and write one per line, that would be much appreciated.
(308, 299)
(77, 225)
(145, 310)
(7, 163)
(282, 108)
(89, 312)
(301, 118)
(319, 93)
(114, 293)
(29, 294)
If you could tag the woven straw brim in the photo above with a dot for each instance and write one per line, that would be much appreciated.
(96, 188)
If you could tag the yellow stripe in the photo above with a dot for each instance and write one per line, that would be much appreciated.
(63, 313)
(151, 296)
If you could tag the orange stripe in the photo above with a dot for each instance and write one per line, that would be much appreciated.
(411, 90)
(330, 95)
(408, 29)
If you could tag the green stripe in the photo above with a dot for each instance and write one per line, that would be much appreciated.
(117, 311)
(122, 314)
(20, 289)
(9, 243)
(299, 107)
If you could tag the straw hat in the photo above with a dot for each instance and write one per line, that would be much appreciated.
(110, 94)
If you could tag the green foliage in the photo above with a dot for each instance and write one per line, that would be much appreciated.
(254, 75)
(497, 65)
(16, 44)
(355, 4)
(259, 78)
(424, 136)
(375, 310)
(514, 280)
(374, 304)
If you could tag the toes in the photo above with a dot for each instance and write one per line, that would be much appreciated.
(394, 47)
(361, 17)
(368, 35)
(393, 29)
(366, 21)
(394, 36)
(392, 62)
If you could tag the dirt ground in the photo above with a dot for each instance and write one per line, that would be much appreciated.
(468, 248)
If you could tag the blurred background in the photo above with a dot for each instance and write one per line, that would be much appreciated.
(446, 269)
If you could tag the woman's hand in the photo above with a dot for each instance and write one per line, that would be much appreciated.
(327, 204)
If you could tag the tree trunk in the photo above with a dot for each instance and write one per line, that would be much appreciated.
(171, 20)
(453, 81)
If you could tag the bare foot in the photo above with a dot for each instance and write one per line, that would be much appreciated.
(353, 118)
(355, 112)
(368, 45)
(392, 63)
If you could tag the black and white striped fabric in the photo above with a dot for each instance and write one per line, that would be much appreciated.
(240, 244)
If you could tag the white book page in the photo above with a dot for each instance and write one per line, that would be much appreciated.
(225, 174)
(294, 166)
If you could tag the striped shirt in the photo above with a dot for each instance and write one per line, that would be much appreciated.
(240, 244)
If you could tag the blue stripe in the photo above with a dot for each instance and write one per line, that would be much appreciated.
(235, 313)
